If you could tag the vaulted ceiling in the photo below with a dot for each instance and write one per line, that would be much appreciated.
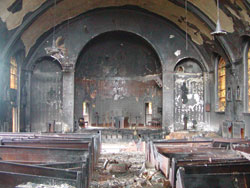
(29, 19)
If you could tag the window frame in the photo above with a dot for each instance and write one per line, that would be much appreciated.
(217, 98)
(13, 74)
(246, 87)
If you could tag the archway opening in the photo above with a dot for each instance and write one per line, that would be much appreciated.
(189, 95)
(46, 95)
(118, 82)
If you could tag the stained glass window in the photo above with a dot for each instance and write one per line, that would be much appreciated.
(222, 84)
(13, 85)
(13, 73)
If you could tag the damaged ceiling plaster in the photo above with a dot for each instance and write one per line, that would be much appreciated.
(74, 8)
(13, 20)
(197, 29)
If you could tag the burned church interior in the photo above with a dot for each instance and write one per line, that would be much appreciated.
(124, 93)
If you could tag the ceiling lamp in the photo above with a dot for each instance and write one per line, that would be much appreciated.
(186, 28)
(218, 31)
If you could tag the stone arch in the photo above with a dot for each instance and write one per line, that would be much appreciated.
(125, 63)
(188, 94)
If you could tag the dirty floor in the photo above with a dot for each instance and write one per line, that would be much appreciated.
(123, 166)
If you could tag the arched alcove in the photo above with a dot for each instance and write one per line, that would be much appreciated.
(115, 73)
(188, 95)
(46, 94)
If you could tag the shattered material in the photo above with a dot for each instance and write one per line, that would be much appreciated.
(33, 185)
(132, 172)
(191, 134)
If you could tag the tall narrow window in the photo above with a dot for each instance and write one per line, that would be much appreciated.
(13, 73)
(85, 109)
(248, 73)
(148, 113)
(222, 84)
(13, 92)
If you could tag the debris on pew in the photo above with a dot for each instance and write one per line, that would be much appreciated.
(191, 135)
(33, 185)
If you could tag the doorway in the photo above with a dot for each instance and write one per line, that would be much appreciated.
(148, 113)
(85, 113)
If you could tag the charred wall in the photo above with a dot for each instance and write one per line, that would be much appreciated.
(128, 63)
(115, 75)
(46, 95)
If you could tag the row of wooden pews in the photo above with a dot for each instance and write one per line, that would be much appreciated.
(202, 163)
(48, 158)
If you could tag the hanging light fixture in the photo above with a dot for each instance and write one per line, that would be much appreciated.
(218, 31)
(186, 28)
(53, 49)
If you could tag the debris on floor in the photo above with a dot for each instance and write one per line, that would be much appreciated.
(191, 135)
(34, 185)
(126, 170)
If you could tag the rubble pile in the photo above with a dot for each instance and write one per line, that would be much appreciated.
(34, 185)
(126, 170)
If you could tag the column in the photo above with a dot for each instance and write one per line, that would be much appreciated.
(168, 99)
(68, 101)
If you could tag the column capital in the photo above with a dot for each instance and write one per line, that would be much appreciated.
(68, 66)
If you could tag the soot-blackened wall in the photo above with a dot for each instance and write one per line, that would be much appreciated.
(46, 95)
(115, 76)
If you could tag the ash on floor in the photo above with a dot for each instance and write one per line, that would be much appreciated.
(126, 170)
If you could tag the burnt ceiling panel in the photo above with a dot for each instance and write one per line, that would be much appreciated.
(234, 15)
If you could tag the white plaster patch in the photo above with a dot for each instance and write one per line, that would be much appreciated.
(171, 36)
(206, 127)
(171, 128)
(166, 87)
(197, 98)
(190, 96)
(177, 53)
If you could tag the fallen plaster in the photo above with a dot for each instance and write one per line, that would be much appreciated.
(34, 185)
(124, 165)
(200, 127)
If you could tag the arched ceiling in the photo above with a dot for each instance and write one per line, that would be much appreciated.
(172, 10)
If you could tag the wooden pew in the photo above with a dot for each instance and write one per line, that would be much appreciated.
(13, 174)
(170, 155)
(76, 152)
(214, 175)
